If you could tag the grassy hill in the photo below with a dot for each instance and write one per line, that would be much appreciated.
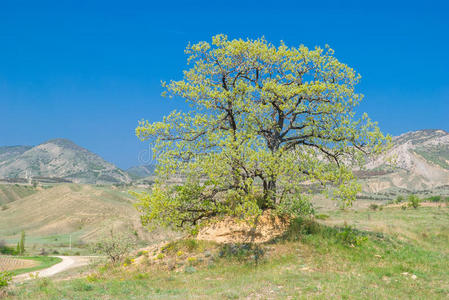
(12, 192)
(403, 254)
(51, 215)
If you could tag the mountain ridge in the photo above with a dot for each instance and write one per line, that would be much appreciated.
(417, 160)
(60, 158)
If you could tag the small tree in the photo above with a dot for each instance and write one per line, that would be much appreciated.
(413, 201)
(399, 199)
(22, 243)
(115, 246)
(263, 120)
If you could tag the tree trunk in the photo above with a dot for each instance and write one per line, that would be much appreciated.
(269, 194)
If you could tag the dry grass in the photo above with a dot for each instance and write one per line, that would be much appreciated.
(80, 210)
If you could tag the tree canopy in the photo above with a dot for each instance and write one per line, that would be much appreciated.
(264, 122)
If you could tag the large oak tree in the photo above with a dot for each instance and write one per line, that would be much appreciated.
(263, 122)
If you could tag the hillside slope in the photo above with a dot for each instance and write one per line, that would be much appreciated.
(417, 160)
(139, 172)
(13, 192)
(82, 210)
(60, 158)
(9, 152)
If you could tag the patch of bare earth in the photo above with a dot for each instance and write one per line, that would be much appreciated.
(231, 230)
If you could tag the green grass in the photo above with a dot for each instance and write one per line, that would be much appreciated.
(44, 262)
(316, 264)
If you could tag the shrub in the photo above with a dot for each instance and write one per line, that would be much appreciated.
(242, 252)
(351, 236)
(434, 199)
(5, 249)
(373, 206)
(92, 277)
(5, 279)
(399, 199)
(115, 246)
(300, 227)
(413, 201)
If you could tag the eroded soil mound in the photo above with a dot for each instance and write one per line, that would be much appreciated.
(230, 230)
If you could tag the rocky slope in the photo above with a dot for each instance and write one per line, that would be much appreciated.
(9, 152)
(139, 172)
(58, 158)
(417, 160)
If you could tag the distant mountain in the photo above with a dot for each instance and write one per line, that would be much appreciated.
(59, 158)
(417, 160)
(139, 172)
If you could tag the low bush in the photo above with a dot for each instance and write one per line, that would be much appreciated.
(351, 236)
(300, 227)
(373, 206)
(413, 201)
(399, 199)
(5, 249)
(242, 252)
(434, 199)
(5, 279)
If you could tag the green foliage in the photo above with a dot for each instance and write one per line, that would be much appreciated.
(373, 206)
(21, 245)
(82, 286)
(351, 236)
(296, 205)
(413, 201)
(399, 199)
(438, 199)
(242, 252)
(5, 279)
(322, 216)
(300, 227)
(262, 120)
(5, 249)
(185, 246)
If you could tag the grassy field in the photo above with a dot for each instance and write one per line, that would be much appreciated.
(393, 254)
(54, 216)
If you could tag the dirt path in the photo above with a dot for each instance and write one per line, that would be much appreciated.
(67, 263)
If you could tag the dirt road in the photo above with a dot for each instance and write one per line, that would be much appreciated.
(67, 263)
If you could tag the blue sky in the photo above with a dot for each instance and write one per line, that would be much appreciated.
(89, 70)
